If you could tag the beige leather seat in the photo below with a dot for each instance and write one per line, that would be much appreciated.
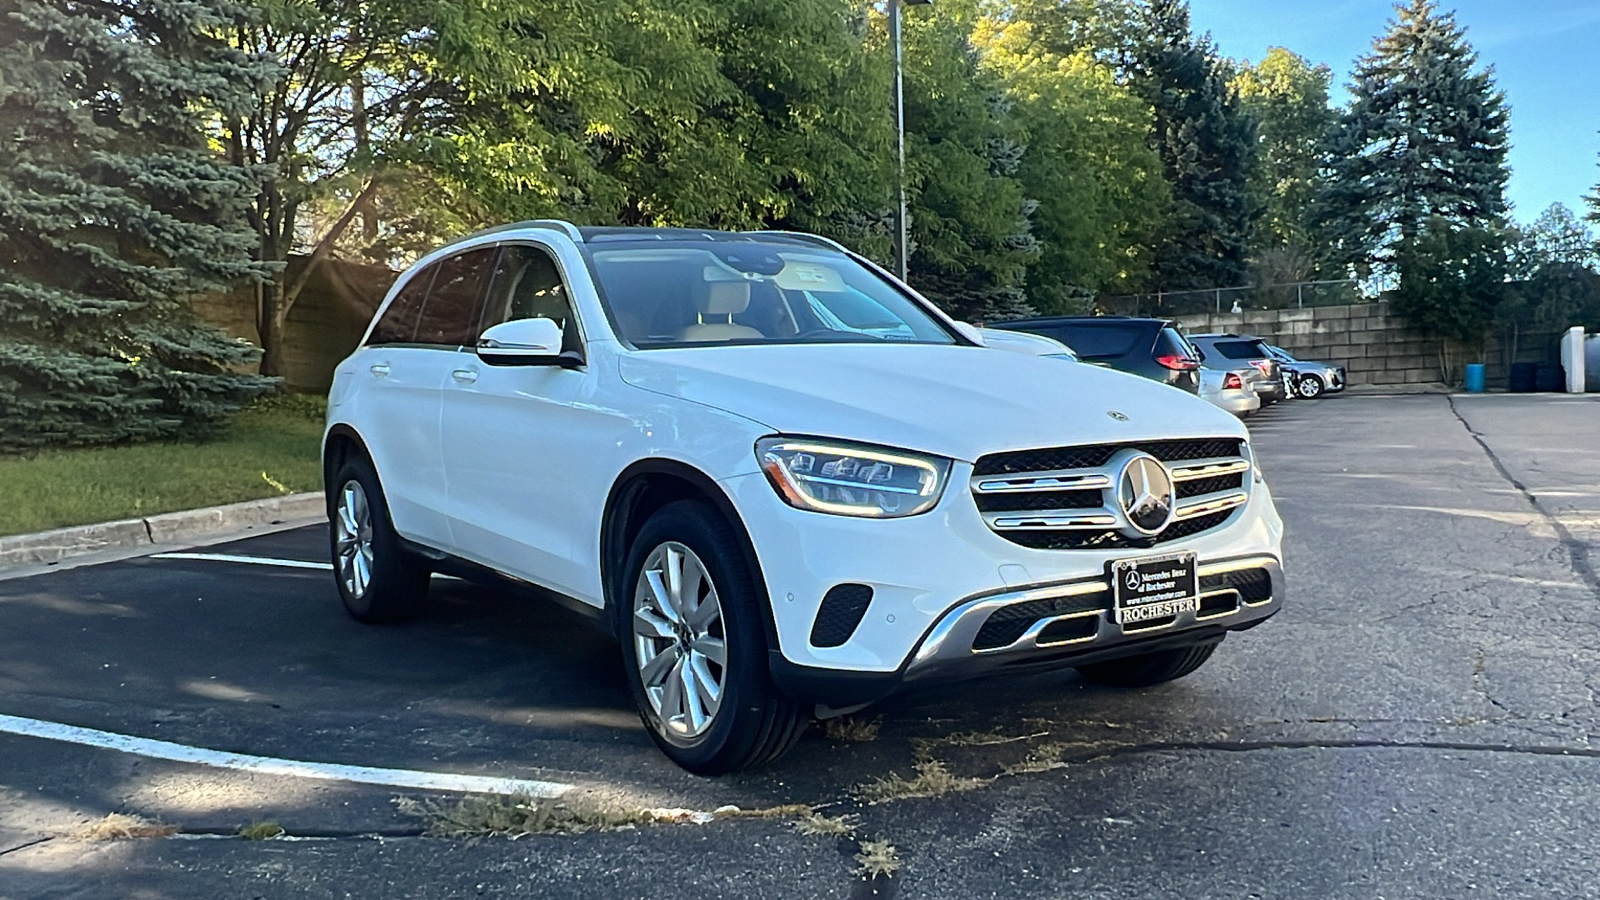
(720, 298)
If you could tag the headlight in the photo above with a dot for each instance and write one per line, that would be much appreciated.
(851, 479)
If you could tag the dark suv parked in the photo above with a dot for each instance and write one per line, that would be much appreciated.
(1153, 348)
(1225, 351)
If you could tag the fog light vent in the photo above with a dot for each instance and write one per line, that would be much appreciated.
(842, 610)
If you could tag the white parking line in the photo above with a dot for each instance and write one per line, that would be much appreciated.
(266, 765)
(252, 560)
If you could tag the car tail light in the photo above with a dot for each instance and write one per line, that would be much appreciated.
(1233, 382)
(1178, 363)
(1265, 366)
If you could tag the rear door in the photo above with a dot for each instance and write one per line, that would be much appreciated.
(405, 363)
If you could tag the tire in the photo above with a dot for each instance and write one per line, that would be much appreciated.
(1309, 387)
(1149, 668)
(377, 579)
(707, 717)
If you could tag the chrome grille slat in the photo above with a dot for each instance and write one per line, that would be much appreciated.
(1046, 499)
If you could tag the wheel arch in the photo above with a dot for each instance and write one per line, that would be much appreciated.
(640, 490)
(341, 444)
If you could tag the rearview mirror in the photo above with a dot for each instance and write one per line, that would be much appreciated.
(525, 342)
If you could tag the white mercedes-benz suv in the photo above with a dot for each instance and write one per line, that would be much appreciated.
(786, 482)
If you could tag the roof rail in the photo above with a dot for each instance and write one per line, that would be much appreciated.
(566, 228)
(817, 239)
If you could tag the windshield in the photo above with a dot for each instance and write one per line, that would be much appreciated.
(677, 293)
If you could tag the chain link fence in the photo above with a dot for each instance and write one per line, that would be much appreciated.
(1171, 304)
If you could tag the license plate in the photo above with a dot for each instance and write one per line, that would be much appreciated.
(1155, 587)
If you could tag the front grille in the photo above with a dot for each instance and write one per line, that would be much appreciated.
(1038, 501)
(841, 611)
(1210, 485)
(1065, 498)
(1088, 457)
(1114, 540)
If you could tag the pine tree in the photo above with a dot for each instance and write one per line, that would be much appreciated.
(113, 212)
(1425, 136)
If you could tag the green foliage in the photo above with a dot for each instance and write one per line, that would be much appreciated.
(1207, 144)
(1288, 97)
(113, 212)
(971, 240)
(1102, 198)
(1425, 136)
(1452, 280)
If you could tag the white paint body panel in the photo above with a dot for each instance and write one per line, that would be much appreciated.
(527, 457)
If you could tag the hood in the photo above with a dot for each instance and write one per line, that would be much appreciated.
(959, 402)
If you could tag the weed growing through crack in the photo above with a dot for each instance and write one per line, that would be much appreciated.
(1043, 758)
(933, 779)
(852, 730)
(119, 827)
(877, 859)
(517, 815)
(261, 831)
(819, 825)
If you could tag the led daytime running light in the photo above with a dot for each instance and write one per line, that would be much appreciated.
(851, 480)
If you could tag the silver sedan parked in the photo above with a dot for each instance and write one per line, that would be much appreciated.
(1308, 380)
(1230, 390)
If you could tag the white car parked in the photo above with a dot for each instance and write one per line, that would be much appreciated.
(784, 480)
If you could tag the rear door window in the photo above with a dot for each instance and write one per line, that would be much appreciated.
(450, 316)
(398, 325)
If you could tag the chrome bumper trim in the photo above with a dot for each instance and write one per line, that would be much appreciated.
(946, 650)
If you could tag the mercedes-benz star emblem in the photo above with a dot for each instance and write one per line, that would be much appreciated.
(1120, 417)
(1145, 493)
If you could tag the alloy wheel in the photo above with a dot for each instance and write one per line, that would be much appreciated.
(1310, 387)
(680, 644)
(352, 525)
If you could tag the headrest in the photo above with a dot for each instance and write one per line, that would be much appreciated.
(723, 298)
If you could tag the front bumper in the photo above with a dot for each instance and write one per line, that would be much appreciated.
(928, 574)
(948, 650)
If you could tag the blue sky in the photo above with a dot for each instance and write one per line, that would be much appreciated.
(1546, 56)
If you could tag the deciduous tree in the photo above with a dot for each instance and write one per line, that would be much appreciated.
(1289, 99)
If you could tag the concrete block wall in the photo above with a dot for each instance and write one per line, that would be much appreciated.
(1375, 346)
(1372, 345)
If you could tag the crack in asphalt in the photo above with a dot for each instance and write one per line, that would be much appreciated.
(1375, 744)
(33, 843)
(1577, 551)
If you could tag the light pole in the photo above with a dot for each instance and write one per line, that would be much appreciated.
(902, 238)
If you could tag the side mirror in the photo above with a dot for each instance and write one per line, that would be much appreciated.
(524, 342)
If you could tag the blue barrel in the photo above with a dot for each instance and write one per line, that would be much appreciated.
(1475, 378)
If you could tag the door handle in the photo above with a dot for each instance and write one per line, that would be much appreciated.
(380, 370)
(465, 376)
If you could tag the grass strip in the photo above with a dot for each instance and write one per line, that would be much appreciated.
(269, 450)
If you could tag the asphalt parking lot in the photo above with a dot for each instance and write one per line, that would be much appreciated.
(1417, 721)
